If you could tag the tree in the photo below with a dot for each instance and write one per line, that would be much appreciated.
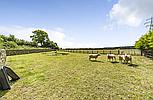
(51, 45)
(4, 38)
(10, 44)
(33, 44)
(145, 41)
(39, 37)
(1, 39)
(11, 38)
(42, 38)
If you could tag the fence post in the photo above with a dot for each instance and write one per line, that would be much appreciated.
(118, 52)
(141, 52)
(110, 52)
(152, 54)
(134, 53)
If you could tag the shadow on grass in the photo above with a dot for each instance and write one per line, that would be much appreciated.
(96, 61)
(133, 65)
(114, 62)
(3, 92)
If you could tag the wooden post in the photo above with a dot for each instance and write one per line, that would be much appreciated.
(110, 52)
(152, 54)
(118, 52)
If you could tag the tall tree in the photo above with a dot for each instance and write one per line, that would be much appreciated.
(39, 36)
(11, 38)
(145, 41)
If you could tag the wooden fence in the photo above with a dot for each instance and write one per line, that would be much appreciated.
(25, 51)
(148, 53)
(105, 51)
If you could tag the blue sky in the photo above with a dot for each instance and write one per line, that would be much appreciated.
(77, 23)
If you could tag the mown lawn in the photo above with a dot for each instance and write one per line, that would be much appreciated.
(74, 77)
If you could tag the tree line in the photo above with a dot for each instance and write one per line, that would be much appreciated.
(145, 41)
(39, 39)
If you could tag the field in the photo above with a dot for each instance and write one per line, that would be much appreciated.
(74, 77)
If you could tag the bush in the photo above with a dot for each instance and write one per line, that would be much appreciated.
(10, 44)
(1, 46)
(145, 41)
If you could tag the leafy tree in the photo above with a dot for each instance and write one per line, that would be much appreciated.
(20, 41)
(33, 44)
(51, 44)
(11, 38)
(39, 37)
(10, 44)
(1, 42)
(42, 38)
(1, 39)
(4, 38)
(145, 41)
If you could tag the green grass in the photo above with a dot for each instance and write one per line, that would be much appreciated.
(74, 77)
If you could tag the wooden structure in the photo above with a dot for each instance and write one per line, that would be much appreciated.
(5, 72)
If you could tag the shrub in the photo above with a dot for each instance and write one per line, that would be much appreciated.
(10, 44)
(145, 41)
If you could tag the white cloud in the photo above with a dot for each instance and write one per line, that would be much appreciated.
(25, 33)
(54, 34)
(108, 27)
(74, 44)
(131, 12)
(18, 31)
(59, 29)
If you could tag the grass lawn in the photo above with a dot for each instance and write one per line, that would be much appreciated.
(74, 77)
